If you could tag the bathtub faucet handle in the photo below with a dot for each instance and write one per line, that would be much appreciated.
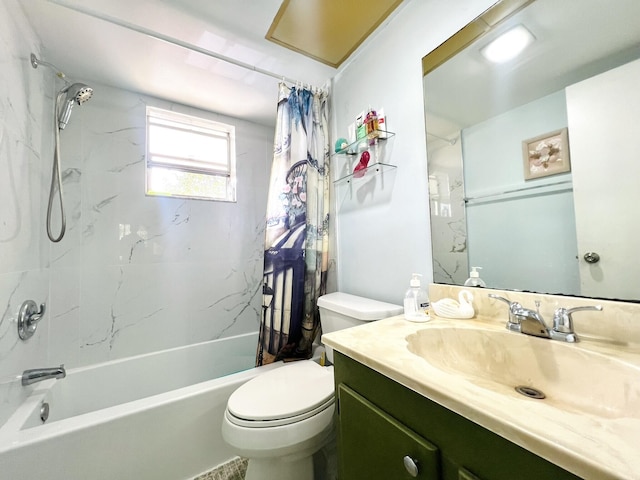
(28, 318)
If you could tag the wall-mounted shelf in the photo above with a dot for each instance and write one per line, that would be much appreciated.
(365, 143)
(376, 144)
(372, 169)
(372, 185)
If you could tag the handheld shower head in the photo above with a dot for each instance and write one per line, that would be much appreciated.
(76, 93)
(71, 93)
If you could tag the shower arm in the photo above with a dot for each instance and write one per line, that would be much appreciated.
(36, 62)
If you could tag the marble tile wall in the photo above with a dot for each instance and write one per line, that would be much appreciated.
(133, 273)
(23, 253)
(447, 212)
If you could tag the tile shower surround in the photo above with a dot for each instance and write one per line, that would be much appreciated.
(133, 273)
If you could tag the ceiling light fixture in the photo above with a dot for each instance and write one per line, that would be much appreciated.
(508, 45)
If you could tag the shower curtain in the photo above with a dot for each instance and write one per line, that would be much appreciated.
(296, 238)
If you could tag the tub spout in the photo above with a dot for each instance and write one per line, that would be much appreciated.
(39, 374)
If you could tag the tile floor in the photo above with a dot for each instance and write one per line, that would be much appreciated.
(233, 470)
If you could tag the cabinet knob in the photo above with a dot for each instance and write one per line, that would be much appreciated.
(411, 465)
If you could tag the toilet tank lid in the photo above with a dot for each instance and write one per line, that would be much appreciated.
(358, 307)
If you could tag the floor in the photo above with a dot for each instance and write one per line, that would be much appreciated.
(233, 470)
(325, 467)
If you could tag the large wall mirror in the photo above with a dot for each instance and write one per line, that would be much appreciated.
(534, 162)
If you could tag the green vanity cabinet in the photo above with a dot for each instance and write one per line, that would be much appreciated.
(374, 444)
(380, 422)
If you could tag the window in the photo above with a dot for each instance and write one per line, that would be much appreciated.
(190, 157)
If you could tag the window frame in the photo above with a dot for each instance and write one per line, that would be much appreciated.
(197, 125)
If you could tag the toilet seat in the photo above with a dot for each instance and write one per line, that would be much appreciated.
(277, 422)
(282, 396)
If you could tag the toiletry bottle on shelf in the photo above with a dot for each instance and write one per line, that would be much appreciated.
(416, 301)
(382, 124)
(361, 128)
(474, 279)
(371, 121)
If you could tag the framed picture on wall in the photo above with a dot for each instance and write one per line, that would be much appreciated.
(546, 154)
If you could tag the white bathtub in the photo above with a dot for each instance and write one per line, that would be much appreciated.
(154, 416)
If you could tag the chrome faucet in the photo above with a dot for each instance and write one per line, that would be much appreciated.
(39, 374)
(530, 322)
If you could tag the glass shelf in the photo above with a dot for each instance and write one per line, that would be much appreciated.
(364, 174)
(365, 143)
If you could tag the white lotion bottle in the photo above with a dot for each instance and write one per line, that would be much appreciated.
(474, 279)
(416, 301)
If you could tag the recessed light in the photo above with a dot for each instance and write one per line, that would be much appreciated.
(508, 45)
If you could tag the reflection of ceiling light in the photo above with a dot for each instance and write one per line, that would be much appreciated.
(508, 45)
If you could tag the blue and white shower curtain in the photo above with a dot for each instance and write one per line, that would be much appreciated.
(296, 239)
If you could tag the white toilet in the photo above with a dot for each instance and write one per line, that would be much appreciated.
(281, 418)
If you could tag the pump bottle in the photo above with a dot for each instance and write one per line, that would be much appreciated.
(416, 301)
(474, 279)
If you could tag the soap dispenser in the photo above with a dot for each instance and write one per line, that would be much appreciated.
(416, 301)
(474, 279)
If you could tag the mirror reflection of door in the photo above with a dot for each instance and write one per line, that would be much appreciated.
(604, 121)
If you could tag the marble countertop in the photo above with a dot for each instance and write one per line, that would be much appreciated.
(589, 445)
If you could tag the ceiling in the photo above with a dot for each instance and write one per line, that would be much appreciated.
(575, 39)
(327, 30)
(100, 41)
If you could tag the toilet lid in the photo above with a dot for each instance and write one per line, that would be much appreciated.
(285, 392)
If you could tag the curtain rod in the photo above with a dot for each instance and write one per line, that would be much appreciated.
(174, 41)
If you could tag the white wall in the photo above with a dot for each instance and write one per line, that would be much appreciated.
(133, 274)
(381, 243)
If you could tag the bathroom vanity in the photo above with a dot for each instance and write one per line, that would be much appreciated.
(381, 422)
(436, 400)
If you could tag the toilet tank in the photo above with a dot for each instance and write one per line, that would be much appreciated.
(342, 310)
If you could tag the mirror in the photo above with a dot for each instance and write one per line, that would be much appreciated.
(532, 162)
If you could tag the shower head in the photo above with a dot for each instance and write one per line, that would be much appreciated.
(75, 93)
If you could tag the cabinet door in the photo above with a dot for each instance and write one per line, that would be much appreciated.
(464, 474)
(373, 445)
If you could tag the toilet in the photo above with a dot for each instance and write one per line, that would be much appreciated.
(281, 418)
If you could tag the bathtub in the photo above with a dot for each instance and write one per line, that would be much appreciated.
(155, 416)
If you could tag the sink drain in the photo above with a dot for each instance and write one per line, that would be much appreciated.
(530, 392)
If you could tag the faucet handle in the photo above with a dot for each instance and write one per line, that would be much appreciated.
(512, 305)
(28, 318)
(514, 321)
(562, 320)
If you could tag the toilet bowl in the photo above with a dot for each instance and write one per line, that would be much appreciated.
(281, 418)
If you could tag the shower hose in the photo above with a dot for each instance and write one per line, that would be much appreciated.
(56, 180)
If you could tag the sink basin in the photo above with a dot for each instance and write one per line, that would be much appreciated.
(571, 378)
